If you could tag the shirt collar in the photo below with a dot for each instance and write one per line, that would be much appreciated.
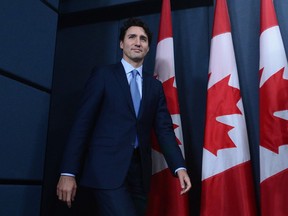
(128, 67)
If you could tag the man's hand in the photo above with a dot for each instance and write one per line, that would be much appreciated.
(184, 181)
(66, 189)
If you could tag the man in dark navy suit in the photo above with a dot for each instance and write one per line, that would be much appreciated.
(109, 147)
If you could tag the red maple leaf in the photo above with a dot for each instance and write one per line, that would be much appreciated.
(273, 98)
(221, 100)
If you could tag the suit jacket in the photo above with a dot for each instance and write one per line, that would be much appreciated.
(101, 142)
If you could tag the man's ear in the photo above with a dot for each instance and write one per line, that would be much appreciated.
(121, 44)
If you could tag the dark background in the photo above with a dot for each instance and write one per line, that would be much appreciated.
(47, 51)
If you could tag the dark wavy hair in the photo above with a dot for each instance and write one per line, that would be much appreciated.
(135, 22)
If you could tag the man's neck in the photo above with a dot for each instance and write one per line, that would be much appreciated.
(135, 64)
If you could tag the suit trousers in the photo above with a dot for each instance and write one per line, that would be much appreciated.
(128, 200)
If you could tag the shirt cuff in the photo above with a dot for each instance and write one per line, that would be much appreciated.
(180, 168)
(67, 174)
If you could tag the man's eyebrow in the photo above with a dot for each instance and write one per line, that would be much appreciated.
(132, 34)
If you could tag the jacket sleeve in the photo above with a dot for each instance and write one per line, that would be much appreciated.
(165, 134)
(83, 123)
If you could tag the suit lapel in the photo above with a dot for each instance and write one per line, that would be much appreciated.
(145, 93)
(122, 80)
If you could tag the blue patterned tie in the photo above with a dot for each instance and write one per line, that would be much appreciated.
(136, 97)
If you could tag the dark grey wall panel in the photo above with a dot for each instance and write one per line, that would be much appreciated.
(73, 12)
(27, 44)
(76, 5)
(28, 33)
(68, 6)
(19, 200)
(24, 119)
(53, 3)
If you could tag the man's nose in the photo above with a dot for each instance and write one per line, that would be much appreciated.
(137, 42)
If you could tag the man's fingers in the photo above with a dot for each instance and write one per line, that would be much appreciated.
(73, 194)
(188, 183)
(185, 184)
(66, 189)
(59, 194)
(66, 197)
(185, 189)
(69, 204)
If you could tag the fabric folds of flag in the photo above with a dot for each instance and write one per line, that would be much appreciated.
(164, 197)
(227, 182)
(273, 115)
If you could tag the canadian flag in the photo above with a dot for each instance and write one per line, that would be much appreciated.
(273, 115)
(164, 198)
(227, 185)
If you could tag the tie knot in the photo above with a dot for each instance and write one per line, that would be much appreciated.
(134, 73)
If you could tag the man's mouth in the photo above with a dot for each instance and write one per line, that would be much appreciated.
(137, 50)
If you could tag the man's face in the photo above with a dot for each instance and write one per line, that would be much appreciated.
(135, 45)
